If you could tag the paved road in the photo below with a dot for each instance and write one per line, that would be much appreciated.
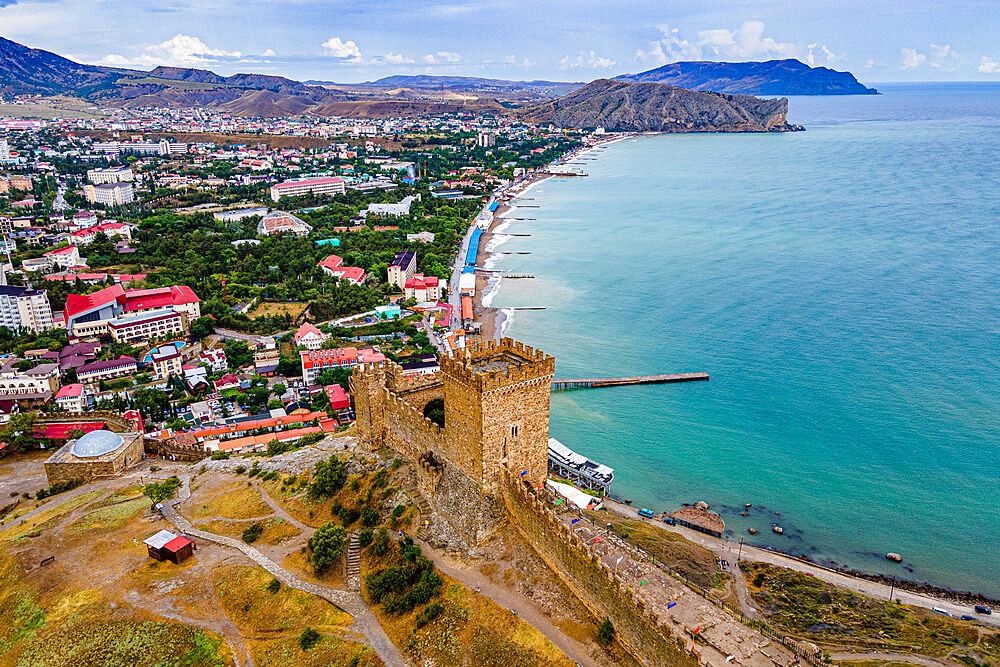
(364, 620)
(730, 550)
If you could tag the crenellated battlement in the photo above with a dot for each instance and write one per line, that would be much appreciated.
(595, 583)
(496, 414)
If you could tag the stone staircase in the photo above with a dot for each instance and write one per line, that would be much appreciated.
(410, 485)
(354, 563)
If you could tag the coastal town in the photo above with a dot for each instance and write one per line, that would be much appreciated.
(252, 383)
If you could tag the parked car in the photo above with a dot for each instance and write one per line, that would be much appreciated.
(939, 610)
(669, 520)
(966, 617)
(646, 512)
(980, 609)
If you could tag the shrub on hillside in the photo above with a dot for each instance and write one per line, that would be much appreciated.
(327, 544)
(253, 533)
(308, 639)
(329, 478)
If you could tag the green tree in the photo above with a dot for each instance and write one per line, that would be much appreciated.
(157, 492)
(237, 353)
(606, 633)
(327, 544)
(19, 432)
(253, 533)
(203, 326)
(308, 639)
(434, 410)
(329, 477)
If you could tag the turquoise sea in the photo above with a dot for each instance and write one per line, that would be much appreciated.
(842, 287)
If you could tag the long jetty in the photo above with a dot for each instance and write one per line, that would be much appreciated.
(635, 379)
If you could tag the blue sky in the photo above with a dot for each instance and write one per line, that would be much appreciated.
(334, 40)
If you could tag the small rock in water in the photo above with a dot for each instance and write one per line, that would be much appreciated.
(753, 531)
(894, 557)
(701, 505)
(748, 506)
(744, 513)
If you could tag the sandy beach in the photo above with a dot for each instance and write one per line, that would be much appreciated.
(491, 320)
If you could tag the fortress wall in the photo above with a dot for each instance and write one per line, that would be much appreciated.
(406, 428)
(645, 636)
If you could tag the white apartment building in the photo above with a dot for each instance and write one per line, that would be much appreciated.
(318, 186)
(25, 309)
(4, 149)
(141, 328)
(111, 175)
(38, 383)
(62, 258)
(109, 194)
(486, 139)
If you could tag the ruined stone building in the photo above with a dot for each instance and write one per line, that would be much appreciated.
(496, 420)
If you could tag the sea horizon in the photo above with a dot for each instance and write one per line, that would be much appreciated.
(830, 282)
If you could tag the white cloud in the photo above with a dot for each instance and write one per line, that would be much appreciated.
(748, 42)
(989, 66)
(442, 57)
(912, 59)
(179, 51)
(669, 48)
(944, 57)
(269, 52)
(810, 58)
(347, 51)
(397, 59)
(524, 62)
(586, 61)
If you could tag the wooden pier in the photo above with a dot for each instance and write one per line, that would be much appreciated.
(636, 379)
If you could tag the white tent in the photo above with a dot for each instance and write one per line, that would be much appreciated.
(573, 495)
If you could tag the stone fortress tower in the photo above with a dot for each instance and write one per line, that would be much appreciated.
(496, 407)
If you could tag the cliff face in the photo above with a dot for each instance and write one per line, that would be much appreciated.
(655, 107)
(773, 77)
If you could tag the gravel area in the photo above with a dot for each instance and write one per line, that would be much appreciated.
(294, 462)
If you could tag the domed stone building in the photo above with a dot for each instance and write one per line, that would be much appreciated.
(96, 455)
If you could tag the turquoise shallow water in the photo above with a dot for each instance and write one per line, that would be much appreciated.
(840, 285)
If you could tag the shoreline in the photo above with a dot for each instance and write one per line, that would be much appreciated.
(493, 321)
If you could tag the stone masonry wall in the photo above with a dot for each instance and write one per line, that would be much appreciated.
(593, 582)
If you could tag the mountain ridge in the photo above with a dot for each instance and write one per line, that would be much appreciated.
(771, 77)
(656, 107)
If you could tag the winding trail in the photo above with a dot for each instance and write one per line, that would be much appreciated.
(511, 600)
(364, 623)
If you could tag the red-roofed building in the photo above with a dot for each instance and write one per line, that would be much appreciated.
(339, 400)
(68, 431)
(70, 398)
(423, 288)
(309, 337)
(89, 314)
(315, 362)
(109, 229)
(333, 265)
(63, 257)
(318, 186)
